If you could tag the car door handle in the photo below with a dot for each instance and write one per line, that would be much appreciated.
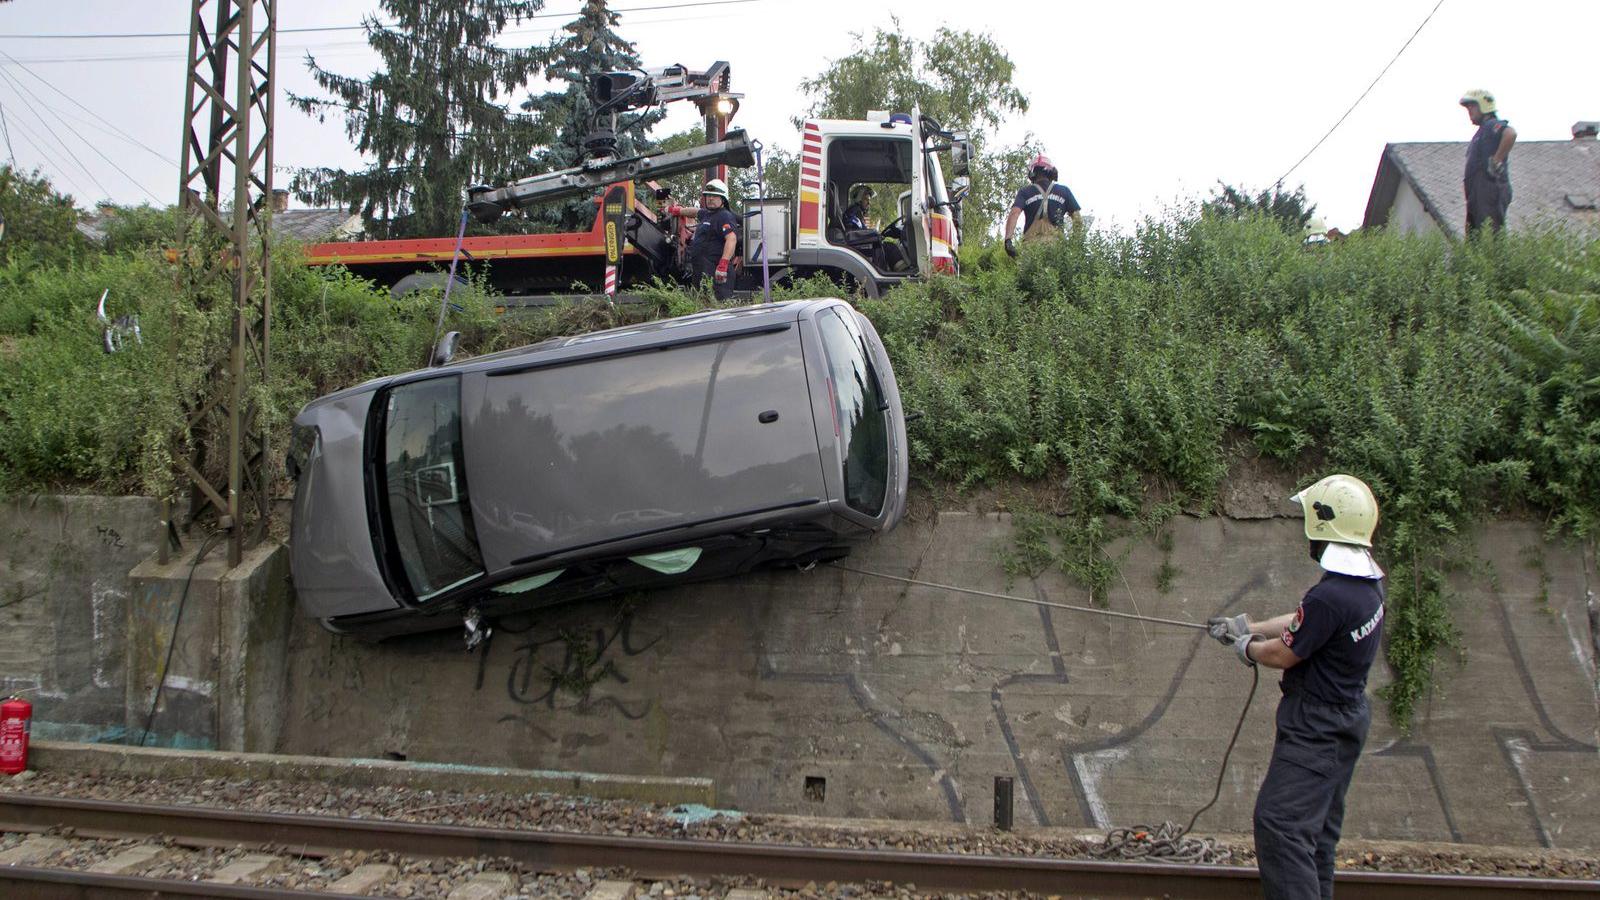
(768, 417)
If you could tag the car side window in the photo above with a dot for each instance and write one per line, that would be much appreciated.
(860, 409)
(425, 485)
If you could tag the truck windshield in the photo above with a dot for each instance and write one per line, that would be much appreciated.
(426, 486)
(860, 407)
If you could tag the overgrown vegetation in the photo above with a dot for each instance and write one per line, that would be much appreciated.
(1119, 377)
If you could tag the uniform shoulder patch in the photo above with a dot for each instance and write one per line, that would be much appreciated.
(1294, 626)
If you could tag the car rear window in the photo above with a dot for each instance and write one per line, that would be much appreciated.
(861, 418)
(426, 486)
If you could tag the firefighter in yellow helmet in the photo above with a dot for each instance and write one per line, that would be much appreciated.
(1325, 649)
(1487, 181)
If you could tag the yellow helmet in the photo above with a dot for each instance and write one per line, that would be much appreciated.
(1316, 231)
(1483, 98)
(1339, 508)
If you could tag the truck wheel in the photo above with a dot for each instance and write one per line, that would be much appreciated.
(423, 281)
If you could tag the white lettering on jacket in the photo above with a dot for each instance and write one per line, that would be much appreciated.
(1372, 623)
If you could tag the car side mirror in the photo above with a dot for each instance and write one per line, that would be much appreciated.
(445, 350)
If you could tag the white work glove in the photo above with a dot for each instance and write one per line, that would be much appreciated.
(1240, 646)
(1227, 629)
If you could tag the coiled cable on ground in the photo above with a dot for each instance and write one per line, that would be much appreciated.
(1167, 842)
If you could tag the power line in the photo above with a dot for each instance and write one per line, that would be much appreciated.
(355, 48)
(1364, 93)
(57, 138)
(16, 85)
(7, 129)
(362, 27)
(91, 112)
(44, 154)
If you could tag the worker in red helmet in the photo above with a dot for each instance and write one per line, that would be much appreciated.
(1044, 204)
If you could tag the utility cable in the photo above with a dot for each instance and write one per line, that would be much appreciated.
(7, 129)
(17, 85)
(323, 28)
(70, 99)
(1364, 93)
(172, 640)
(57, 138)
(1166, 842)
(61, 173)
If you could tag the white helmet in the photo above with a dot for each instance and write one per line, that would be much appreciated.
(716, 187)
(1340, 509)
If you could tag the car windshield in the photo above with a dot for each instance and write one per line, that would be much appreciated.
(426, 486)
(861, 420)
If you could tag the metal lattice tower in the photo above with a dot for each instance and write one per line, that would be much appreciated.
(226, 197)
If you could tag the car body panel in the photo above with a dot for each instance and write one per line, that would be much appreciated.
(597, 451)
(332, 557)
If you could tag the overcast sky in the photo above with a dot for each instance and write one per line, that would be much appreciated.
(1141, 103)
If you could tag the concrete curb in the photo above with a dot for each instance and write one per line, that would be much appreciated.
(160, 762)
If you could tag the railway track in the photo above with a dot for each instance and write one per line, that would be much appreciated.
(772, 864)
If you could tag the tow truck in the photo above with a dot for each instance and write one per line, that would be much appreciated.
(632, 241)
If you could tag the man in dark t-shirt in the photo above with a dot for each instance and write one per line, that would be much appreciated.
(1487, 180)
(1045, 196)
(1325, 647)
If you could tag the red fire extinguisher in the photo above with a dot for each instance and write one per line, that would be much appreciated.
(16, 718)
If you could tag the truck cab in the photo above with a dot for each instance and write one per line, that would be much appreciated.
(897, 156)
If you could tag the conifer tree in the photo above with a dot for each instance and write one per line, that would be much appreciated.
(428, 117)
(588, 45)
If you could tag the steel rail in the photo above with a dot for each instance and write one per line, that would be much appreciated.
(27, 883)
(773, 862)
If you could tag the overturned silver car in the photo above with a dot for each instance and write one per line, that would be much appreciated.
(679, 450)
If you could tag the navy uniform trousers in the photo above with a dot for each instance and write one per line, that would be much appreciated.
(1300, 808)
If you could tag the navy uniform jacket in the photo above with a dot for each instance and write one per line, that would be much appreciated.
(1062, 204)
(1336, 632)
(711, 229)
(1484, 143)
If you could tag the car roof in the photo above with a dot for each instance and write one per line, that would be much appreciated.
(707, 324)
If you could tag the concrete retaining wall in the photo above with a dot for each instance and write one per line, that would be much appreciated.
(828, 692)
(834, 694)
(64, 600)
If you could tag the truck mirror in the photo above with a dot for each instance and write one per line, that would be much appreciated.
(960, 156)
(445, 350)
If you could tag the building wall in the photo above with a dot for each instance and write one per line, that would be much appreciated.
(1409, 215)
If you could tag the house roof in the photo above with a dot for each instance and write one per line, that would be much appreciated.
(1552, 183)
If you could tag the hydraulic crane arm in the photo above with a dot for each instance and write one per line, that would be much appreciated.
(488, 204)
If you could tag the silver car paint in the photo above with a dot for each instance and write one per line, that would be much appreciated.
(597, 451)
(335, 568)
